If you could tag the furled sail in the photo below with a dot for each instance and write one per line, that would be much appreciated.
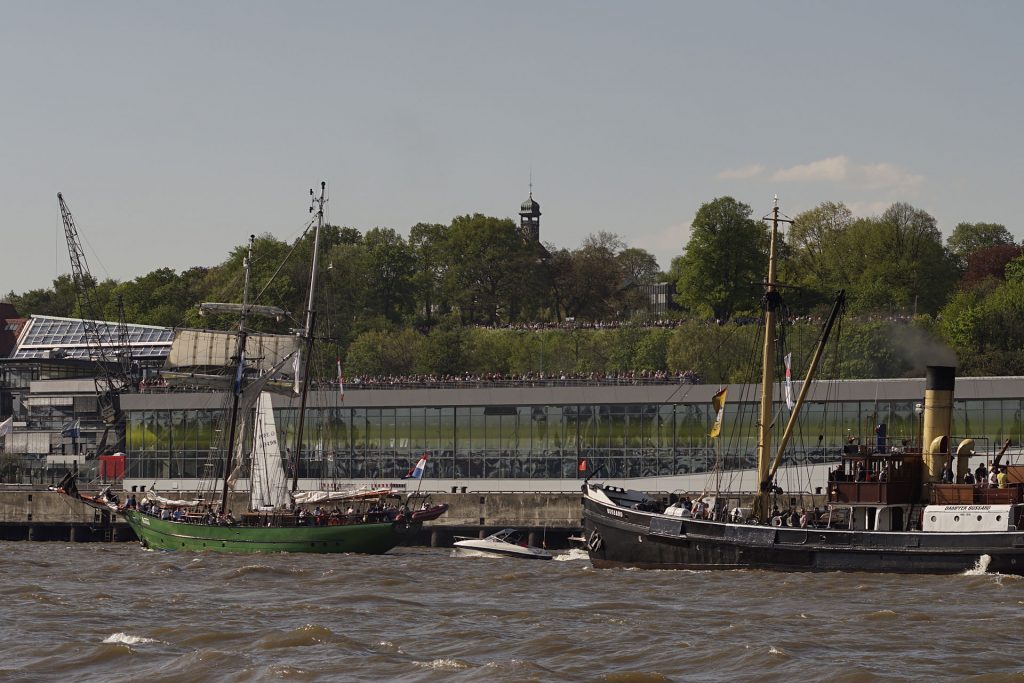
(154, 497)
(268, 485)
(364, 493)
(215, 349)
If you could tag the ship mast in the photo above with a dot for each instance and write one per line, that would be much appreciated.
(239, 377)
(307, 334)
(764, 423)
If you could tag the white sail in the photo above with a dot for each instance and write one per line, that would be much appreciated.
(268, 481)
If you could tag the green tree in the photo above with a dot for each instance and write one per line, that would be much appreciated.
(810, 240)
(893, 263)
(639, 266)
(60, 300)
(724, 261)
(390, 263)
(380, 353)
(443, 351)
(985, 325)
(968, 238)
(427, 241)
(488, 351)
(160, 297)
(1014, 270)
(591, 279)
(490, 268)
(717, 353)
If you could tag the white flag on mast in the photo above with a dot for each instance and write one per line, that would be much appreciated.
(341, 382)
(789, 381)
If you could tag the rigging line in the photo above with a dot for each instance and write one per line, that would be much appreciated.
(281, 265)
(96, 256)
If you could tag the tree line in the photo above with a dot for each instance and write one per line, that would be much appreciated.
(437, 301)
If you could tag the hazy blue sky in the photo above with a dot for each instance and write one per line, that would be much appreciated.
(175, 129)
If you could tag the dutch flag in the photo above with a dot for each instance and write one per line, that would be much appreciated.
(417, 471)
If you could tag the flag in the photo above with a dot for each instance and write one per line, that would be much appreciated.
(417, 471)
(296, 364)
(5, 426)
(72, 429)
(583, 465)
(341, 383)
(789, 381)
(239, 373)
(718, 404)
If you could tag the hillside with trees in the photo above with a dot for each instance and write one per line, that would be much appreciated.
(475, 297)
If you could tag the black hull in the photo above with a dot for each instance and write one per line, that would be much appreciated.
(620, 537)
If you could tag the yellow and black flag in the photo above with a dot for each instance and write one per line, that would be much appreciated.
(718, 403)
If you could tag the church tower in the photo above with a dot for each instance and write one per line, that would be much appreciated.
(529, 218)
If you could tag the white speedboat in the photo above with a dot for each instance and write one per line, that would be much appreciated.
(504, 543)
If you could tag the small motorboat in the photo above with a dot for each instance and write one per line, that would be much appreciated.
(504, 543)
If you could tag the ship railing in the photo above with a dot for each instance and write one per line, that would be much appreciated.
(880, 492)
(971, 494)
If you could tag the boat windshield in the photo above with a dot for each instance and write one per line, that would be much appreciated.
(507, 535)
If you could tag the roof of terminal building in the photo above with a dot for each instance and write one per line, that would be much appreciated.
(44, 335)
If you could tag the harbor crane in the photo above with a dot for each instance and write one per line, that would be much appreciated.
(109, 378)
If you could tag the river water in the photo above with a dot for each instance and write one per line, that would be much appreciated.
(114, 612)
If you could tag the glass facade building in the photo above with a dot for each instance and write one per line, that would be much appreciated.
(536, 437)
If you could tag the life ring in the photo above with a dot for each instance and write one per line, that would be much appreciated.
(776, 521)
(595, 542)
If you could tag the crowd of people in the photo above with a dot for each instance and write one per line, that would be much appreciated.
(672, 323)
(984, 476)
(524, 379)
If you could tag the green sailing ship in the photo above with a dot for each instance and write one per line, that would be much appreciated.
(279, 518)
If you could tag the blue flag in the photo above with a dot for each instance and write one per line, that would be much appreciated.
(238, 375)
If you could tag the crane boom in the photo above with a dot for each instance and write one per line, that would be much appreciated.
(107, 384)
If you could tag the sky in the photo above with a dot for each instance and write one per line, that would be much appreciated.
(176, 129)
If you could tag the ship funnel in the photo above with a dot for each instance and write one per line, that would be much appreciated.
(938, 419)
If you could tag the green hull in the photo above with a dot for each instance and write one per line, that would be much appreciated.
(372, 537)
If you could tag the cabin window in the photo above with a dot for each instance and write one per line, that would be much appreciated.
(979, 518)
(957, 518)
(933, 518)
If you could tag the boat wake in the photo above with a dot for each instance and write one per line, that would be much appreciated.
(572, 554)
(980, 567)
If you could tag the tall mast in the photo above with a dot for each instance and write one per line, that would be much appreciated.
(318, 204)
(239, 376)
(764, 426)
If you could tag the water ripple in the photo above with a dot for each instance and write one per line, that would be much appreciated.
(112, 611)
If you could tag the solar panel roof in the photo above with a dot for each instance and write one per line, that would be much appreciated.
(45, 334)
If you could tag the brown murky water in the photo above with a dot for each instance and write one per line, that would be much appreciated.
(113, 612)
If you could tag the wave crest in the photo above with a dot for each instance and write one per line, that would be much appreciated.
(127, 639)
